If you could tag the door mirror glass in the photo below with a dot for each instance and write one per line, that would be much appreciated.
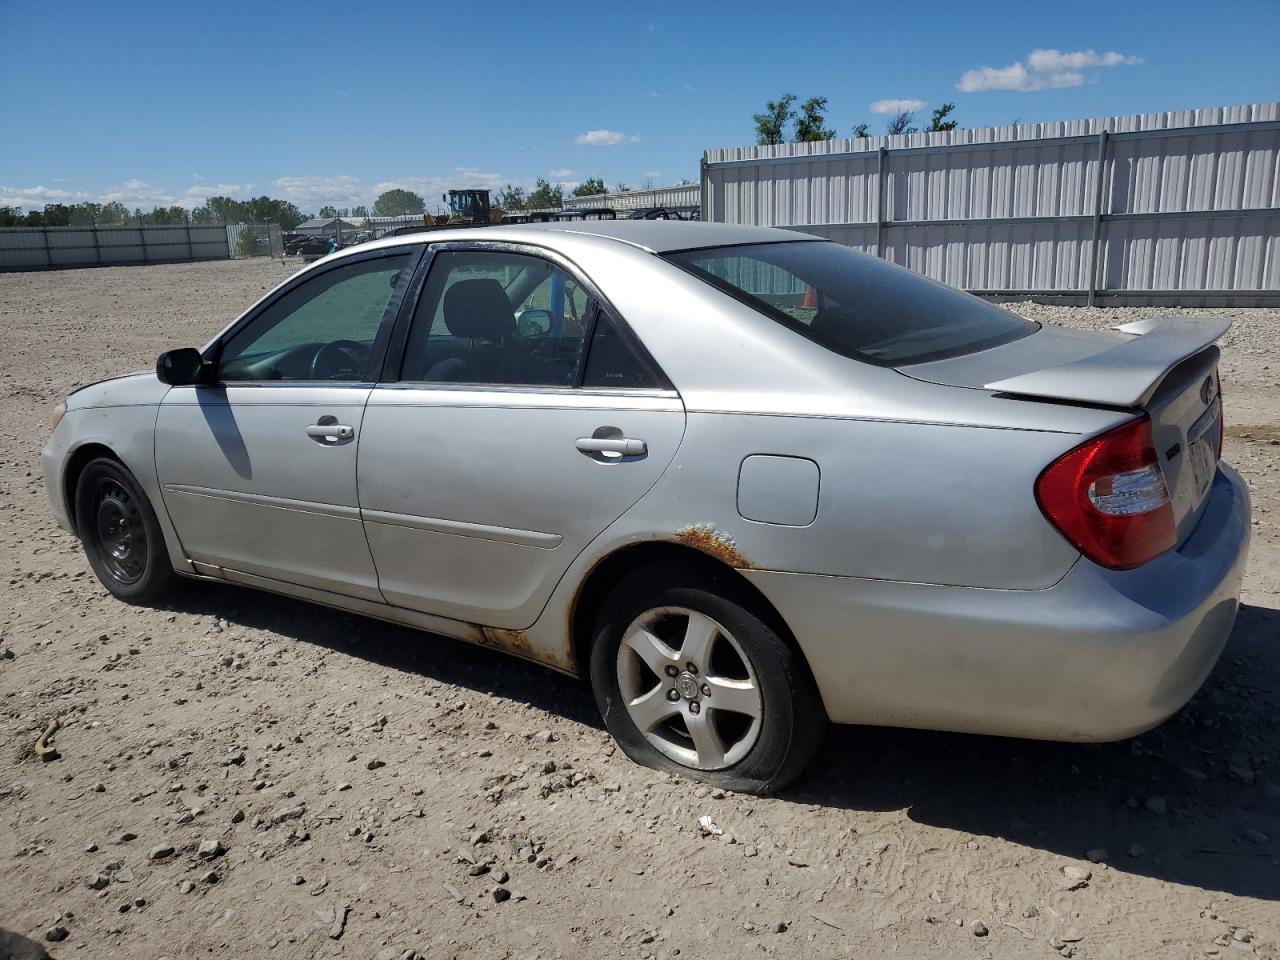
(533, 323)
(180, 368)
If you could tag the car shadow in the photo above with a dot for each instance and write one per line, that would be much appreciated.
(1191, 802)
(1220, 825)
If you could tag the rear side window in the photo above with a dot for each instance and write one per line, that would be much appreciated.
(611, 361)
(854, 304)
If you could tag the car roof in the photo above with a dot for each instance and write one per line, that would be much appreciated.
(655, 236)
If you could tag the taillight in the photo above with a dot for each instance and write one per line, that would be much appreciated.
(1108, 497)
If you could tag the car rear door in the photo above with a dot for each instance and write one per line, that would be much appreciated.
(258, 470)
(523, 418)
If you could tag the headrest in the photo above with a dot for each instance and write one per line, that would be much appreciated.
(479, 309)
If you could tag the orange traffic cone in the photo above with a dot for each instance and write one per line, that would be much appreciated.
(810, 299)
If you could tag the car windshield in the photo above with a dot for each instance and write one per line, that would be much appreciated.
(854, 304)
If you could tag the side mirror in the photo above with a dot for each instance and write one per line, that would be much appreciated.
(180, 368)
(534, 323)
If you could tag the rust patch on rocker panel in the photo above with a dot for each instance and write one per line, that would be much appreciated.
(709, 540)
(512, 641)
(515, 642)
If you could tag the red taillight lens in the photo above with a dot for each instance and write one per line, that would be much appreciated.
(1108, 497)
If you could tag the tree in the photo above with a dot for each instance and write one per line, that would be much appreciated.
(770, 124)
(247, 244)
(327, 212)
(809, 123)
(589, 187)
(860, 130)
(10, 216)
(511, 198)
(939, 123)
(621, 188)
(398, 203)
(901, 123)
(361, 211)
(545, 196)
(57, 215)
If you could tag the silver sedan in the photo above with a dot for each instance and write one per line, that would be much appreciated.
(746, 480)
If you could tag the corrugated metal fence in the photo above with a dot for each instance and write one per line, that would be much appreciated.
(686, 194)
(1167, 207)
(36, 248)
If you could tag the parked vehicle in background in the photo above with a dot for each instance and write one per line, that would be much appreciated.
(686, 212)
(746, 480)
(311, 246)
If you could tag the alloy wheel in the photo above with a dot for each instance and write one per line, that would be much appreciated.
(689, 688)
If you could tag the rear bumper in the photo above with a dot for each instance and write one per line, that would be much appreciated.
(1101, 655)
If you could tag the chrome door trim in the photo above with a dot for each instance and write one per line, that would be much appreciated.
(460, 528)
(412, 393)
(261, 500)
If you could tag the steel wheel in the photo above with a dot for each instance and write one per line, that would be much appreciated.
(690, 688)
(120, 534)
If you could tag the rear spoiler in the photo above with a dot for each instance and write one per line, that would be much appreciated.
(1127, 374)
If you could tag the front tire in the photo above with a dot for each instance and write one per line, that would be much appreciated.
(121, 536)
(691, 678)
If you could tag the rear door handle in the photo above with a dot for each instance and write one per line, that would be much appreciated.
(622, 446)
(330, 431)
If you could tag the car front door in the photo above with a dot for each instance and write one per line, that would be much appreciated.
(524, 419)
(258, 469)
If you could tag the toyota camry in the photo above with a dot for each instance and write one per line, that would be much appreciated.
(746, 481)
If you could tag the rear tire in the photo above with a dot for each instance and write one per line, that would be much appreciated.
(691, 678)
(120, 533)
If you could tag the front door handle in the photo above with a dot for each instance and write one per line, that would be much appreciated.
(621, 446)
(331, 432)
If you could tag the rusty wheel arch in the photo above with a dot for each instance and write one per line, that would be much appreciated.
(617, 566)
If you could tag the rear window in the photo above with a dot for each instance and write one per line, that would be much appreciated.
(857, 305)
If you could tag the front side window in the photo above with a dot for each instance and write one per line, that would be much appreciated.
(323, 329)
(854, 304)
(492, 317)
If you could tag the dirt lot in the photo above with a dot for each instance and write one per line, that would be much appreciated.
(362, 789)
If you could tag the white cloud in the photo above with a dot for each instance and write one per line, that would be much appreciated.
(654, 95)
(1055, 61)
(896, 106)
(1043, 69)
(139, 193)
(561, 174)
(604, 138)
(198, 193)
(654, 174)
(342, 190)
(31, 198)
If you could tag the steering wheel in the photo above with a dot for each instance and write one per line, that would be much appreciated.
(339, 360)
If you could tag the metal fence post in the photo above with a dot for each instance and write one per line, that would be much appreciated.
(1095, 244)
(97, 246)
(191, 252)
(882, 189)
(48, 251)
(704, 184)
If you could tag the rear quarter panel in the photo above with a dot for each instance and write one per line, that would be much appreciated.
(920, 502)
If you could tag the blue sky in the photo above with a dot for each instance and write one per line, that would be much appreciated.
(320, 102)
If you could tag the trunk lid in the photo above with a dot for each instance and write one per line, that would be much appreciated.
(1163, 366)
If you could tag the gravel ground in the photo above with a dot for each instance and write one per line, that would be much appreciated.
(243, 775)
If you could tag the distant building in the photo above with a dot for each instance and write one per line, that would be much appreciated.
(331, 226)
